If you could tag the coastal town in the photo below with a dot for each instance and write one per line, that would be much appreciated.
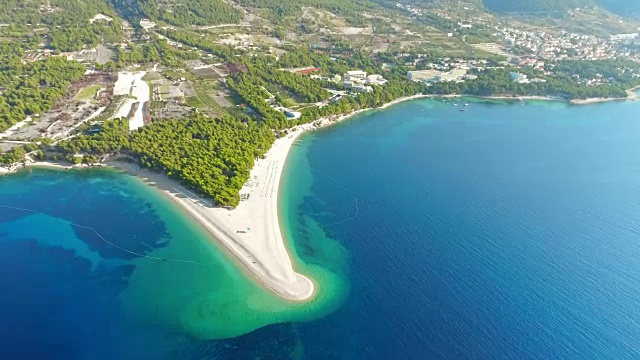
(134, 94)
(254, 179)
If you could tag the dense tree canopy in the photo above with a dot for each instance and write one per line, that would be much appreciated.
(112, 137)
(67, 21)
(32, 87)
(619, 70)
(155, 51)
(182, 13)
(212, 156)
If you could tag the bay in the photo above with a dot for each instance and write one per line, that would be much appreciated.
(509, 230)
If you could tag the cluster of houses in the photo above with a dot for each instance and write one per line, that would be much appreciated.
(355, 80)
(434, 76)
(359, 81)
(566, 45)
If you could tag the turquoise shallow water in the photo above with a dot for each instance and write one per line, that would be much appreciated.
(99, 265)
(505, 231)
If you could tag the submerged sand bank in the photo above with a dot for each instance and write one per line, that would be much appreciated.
(250, 232)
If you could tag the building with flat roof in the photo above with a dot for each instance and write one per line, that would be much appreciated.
(361, 88)
(290, 114)
(376, 79)
(422, 75)
(147, 24)
(355, 75)
(433, 76)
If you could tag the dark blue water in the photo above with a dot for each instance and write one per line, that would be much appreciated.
(504, 232)
(61, 282)
(507, 231)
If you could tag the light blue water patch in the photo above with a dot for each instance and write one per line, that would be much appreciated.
(48, 231)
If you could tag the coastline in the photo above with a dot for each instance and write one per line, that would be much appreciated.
(251, 232)
(631, 95)
(246, 232)
(42, 164)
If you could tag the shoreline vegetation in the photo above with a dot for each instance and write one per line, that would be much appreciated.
(251, 232)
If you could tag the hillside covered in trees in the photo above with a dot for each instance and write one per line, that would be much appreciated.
(67, 21)
(33, 87)
(180, 13)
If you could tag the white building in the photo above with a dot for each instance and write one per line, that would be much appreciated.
(147, 24)
(422, 75)
(361, 88)
(336, 78)
(290, 114)
(355, 75)
(376, 80)
(100, 17)
(433, 76)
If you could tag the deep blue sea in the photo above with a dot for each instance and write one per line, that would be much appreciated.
(507, 231)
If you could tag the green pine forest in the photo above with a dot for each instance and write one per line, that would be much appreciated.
(213, 156)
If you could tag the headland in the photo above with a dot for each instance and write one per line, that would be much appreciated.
(251, 231)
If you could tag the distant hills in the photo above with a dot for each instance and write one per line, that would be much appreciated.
(620, 7)
(532, 6)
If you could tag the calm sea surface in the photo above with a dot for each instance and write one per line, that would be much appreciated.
(507, 231)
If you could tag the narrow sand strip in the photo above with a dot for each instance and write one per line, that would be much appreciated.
(251, 231)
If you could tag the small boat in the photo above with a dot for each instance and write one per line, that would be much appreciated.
(461, 109)
(466, 104)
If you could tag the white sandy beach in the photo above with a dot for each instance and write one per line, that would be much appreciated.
(251, 232)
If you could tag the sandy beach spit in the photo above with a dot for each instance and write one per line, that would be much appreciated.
(251, 232)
